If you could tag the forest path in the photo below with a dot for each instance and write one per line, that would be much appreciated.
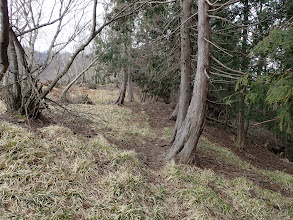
(216, 156)
(153, 154)
(151, 150)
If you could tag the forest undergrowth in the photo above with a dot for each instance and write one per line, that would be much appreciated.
(118, 171)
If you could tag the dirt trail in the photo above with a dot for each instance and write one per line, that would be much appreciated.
(153, 155)
(153, 151)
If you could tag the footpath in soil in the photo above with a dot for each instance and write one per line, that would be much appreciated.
(153, 154)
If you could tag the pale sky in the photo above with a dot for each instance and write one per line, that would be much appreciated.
(81, 15)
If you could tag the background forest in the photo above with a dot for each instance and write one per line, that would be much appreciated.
(149, 109)
(251, 66)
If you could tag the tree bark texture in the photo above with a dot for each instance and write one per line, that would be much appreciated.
(185, 143)
(123, 78)
(4, 38)
(129, 70)
(185, 66)
(244, 65)
(13, 93)
(240, 123)
(130, 87)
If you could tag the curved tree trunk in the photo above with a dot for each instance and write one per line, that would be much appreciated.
(13, 93)
(185, 65)
(4, 38)
(185, 143)
(123, 80)
(123, 85)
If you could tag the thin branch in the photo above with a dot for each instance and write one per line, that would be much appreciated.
(182, 24)
(223, 75)
(224, 5)
(275, 119)
(212, 4)
(77, 77)
(226, 67)
(226, 73)
(46, 24)
(87, 42)
(221, 49)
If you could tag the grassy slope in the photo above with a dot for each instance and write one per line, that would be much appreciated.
(55, 174)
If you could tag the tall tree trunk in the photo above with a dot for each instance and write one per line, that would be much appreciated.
(123, 85)
(4, 38)
(185, 65)
(185, 143)
(129, 70)
(244, 65)
(123, 78)
(130, 87)
(241, 123)
(13, 93)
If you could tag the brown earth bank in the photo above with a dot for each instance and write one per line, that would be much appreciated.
(152, 151)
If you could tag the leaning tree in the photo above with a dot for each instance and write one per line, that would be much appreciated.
(24, 93)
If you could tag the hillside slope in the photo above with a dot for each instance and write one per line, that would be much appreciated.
(103, 161)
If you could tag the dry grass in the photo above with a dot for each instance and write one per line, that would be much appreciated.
(55, 174)
(207, 195)
(283, 179)
(112, 119)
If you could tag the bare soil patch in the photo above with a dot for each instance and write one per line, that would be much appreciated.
(252, 153)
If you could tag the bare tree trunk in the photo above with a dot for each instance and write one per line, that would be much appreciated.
(129, 70)
(185, 143)
(123, 78)
(130, 87)
(241, 124)
(241, 121)
(185, 65)
(4, 38)
(122, 92)
(13, 93)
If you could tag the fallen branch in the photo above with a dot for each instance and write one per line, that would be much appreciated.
(263, 122)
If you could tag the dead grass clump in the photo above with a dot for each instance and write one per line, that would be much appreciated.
(116, 121)
(62, 175)
(278, 177)
(103, 97)
(56, 174)
(82, 99)
(128, 196)
(207, 195)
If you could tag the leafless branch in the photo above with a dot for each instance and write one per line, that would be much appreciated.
(226, 67)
